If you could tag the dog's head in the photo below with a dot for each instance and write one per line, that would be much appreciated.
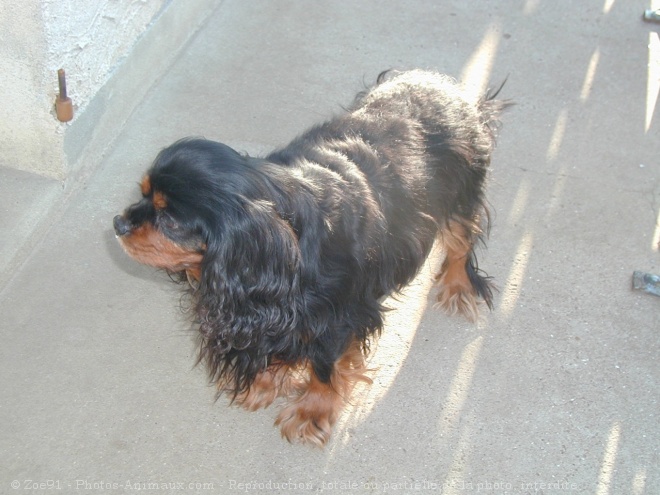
(212, 213)
(165, 229)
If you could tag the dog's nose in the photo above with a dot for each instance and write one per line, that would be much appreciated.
(122, 226)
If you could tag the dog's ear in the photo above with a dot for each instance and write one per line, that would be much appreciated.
(250, 280)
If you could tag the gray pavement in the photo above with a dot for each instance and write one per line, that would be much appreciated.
(554, 392)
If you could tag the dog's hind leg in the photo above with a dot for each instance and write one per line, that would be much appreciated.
(460, 281)
(309, 417)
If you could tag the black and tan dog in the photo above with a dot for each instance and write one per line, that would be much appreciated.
(290, 256)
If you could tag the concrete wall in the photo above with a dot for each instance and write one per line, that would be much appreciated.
(89, 38)
(29, 135)
(112, 51)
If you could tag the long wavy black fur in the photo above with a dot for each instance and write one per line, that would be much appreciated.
(302, 245)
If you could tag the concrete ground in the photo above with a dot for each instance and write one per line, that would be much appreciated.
(554, 392)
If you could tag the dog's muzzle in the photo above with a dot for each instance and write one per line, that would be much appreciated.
(121, 225)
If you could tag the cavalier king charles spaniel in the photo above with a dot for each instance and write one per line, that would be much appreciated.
(289, 258)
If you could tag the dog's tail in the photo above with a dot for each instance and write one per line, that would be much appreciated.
(490, 107)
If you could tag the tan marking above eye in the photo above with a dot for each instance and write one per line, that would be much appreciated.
(145, 186)
(159, 201)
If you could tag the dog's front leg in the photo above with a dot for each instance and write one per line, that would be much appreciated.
(309, 417)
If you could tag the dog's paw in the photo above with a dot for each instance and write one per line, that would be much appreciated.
(458, 298)
(302, 422)
(256, 398)
(277, 381)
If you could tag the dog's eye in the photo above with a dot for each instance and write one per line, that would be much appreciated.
(168, 223)
(171, 224)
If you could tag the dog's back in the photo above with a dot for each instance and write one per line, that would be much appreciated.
(422, 148)
(456, 132)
